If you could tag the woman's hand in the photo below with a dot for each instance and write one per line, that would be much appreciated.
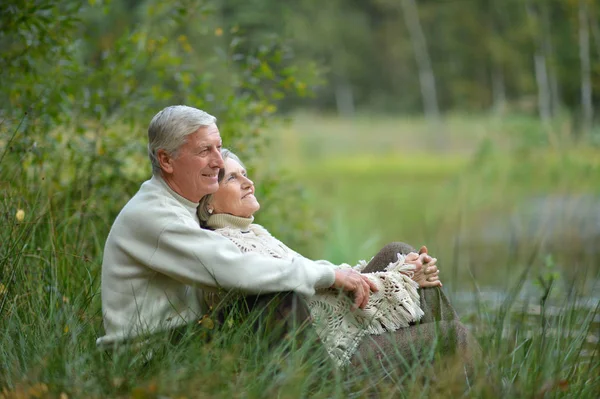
(352, 281)
(426, 273)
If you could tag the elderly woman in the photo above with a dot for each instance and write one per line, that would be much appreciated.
(347, 333)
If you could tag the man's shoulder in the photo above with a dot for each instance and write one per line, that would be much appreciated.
(151, 205)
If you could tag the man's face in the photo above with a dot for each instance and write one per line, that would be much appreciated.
(193, 172)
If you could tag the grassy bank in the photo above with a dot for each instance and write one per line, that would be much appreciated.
(50, 257)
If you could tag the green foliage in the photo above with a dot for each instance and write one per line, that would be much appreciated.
(89, 94)
(485, 62)
(287, 209)
(155, 60)
(36, 55)
(482, 63)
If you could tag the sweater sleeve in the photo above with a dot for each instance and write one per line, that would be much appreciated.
(324, 262)
(260, 230)
(195, 256)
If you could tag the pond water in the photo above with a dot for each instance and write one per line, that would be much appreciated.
(553, 220)
(552, 235)
(560, 234)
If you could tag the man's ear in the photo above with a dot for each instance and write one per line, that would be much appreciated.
(165, 161)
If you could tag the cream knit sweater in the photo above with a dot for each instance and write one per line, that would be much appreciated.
(157, 257)
(341, 330)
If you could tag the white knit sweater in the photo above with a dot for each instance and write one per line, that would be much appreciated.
(157, 257)
(341, 330)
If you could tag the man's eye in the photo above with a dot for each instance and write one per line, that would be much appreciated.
(231, 177)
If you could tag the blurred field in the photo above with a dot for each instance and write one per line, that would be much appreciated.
(498, 196)
(318, 135)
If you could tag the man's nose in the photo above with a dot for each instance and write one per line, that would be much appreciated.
(217, 159)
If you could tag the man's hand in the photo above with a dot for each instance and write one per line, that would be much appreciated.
(426, 273)
(352, 281)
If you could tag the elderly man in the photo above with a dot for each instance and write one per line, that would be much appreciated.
(156, 254)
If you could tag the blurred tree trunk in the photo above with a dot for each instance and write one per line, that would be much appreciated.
(554, 88)
(342, 88)
(344, 98)
(426, 76)
(541, 78)
(540, 67)
(595, 29)
(498, 90)
(584, 56)
(494, 18)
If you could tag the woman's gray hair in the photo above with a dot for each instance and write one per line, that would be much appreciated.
(203, 213)
(169, 129)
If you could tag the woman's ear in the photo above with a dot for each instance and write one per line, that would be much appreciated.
(165, 161)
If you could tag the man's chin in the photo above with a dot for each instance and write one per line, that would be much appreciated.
(213, 188)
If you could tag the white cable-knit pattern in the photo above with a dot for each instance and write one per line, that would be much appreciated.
(341, 329)
(394, 306)
(257, 239)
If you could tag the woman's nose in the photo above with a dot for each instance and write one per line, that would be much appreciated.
(248, 182)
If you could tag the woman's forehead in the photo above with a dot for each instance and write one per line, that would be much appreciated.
(231, 165)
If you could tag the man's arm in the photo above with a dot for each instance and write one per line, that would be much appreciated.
(195, 256)
(346, 278)
(360, 285)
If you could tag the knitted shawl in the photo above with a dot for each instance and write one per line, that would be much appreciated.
(340, 328)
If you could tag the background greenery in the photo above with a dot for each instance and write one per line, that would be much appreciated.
(322, 100)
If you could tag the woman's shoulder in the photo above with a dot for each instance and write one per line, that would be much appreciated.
(228, 231)
(255, 229)
(259, 230)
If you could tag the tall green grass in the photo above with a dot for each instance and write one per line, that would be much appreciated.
(50, 310)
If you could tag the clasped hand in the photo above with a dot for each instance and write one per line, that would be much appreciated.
(426, 273)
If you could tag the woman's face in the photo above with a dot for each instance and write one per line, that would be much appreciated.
(236, 192)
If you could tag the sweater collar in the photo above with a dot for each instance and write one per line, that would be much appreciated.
(190, 205)
(225, 220)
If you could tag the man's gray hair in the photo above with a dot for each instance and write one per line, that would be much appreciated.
(169, 129)
(203, 213)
